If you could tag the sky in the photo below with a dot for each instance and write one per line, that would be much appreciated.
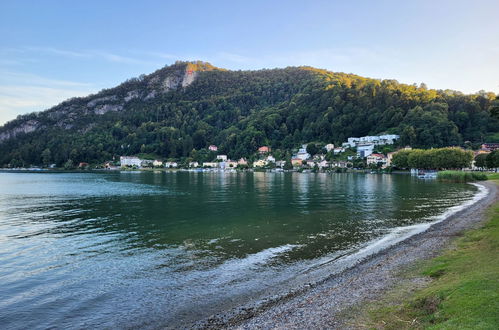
(54, 50)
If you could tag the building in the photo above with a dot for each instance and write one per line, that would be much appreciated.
(157, 163)
(260, 163)
(296, 161)
(242, 162)
(377, 140)
(130, 161)
(490, 146)
(264, 149)
(210, 164)
(171, 164)
(193, 164)
(311, 163)
(146, 163)
(365, 149)
(280, 163)
(389, 158)
(329, 147)
(338, 150)
(302, 153)
(213, 148)
(231, 164)
(376, 159)
(270, 159)
(340, 164)
(323, 164)
(82, 165)
(223, 158)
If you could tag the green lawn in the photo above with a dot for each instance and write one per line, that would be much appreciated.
(463, 292)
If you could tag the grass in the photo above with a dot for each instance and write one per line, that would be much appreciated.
(460, 176)
(463, 292)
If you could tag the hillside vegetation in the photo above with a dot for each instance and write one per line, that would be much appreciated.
(181, 109)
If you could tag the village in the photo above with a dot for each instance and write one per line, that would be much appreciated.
(372, 153)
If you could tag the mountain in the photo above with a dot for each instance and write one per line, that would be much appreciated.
(179, 110)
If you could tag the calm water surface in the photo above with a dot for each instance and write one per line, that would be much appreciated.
(164, 249)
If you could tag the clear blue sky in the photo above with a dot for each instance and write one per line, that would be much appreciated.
(53, 50)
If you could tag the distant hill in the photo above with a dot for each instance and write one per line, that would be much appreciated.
(181, 109)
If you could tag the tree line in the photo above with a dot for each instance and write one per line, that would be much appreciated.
(240, 111)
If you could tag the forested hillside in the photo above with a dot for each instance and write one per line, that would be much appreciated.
(181, 109)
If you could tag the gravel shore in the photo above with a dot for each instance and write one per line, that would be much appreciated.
(325, 305)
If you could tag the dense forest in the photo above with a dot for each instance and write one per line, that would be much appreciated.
(179, 110)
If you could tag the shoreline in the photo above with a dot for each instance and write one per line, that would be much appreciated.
(324, 303)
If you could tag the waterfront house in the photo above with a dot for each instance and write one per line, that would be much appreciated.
(211, 164)
(130, 161)
(296, 161)
(157, 163)
(270, 159)
(375, 159)
(340, 164)
(264, 149)
(310, 163)
(323, 164)
(223, 158)
(260, 163)
(231, 164)
(329, 147)
(146, 163)
(171, 164)
(280, 163)
(82, 165)
(193, 164)
(213, 148)
(242, 162)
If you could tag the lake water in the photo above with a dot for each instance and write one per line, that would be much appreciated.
(135, 249)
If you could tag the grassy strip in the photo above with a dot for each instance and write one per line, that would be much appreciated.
(461, 176)
(463, 292)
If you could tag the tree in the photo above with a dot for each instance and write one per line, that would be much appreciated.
(481, 161)
(493, 159)
(312, 149)
(46, 156)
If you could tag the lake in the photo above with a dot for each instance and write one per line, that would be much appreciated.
(145, 249)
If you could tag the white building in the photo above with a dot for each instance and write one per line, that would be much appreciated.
(213, 148)
(365, 149)
(302, 153)
(157, 163)
(211, 164)
(375, 139)
(193, 164)
(280, 163)
(375, 159)
(270, 159)
(223, 158)
(171, 164)
(338, 150)
(329, 147)
(130, 161)
(260, 163)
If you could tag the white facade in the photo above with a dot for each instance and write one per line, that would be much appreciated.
(193, 164)
(171, 164)
(364, 150)
(270, 159)
(223, 158)
(329, 147)
(157, 163)
(375, 139)
(130, 161)
(302, 153)
(210, 164)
